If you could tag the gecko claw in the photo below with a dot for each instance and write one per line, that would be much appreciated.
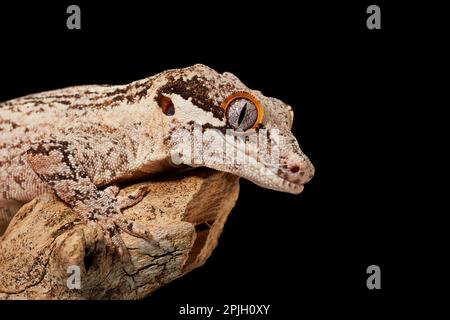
(113, 221)
(115, 243)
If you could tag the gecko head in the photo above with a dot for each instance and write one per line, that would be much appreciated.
(214, 120)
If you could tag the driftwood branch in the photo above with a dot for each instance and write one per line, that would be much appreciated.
(45, 240)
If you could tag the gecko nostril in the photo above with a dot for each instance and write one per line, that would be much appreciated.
(295, 169)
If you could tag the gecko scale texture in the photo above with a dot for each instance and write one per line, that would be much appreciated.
(80, 142)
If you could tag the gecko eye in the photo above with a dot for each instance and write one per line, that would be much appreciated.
(241, 114)
(243, 111)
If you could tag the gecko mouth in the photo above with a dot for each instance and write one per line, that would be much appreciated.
(278, 181)
(274, 176)
(263, 176)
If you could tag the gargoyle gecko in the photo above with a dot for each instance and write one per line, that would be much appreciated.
(80, 142)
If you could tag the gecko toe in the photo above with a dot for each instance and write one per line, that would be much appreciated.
(133, 228)
(115, 242)
(112, 190)
(132, 198)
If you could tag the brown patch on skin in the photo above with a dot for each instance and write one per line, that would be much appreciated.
(56, 97)
(116, 92)
(225, 87)
(196, 90)
(125, 93)
(8, 122)
(130, 98)
(37, 102)
(96, 105)
(142, 93)
(206, 126)
(117, 99)
(19, 180)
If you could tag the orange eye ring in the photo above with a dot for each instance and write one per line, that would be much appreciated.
(247, 96)
(291, 113)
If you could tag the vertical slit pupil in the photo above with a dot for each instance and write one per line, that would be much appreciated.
(242, 114)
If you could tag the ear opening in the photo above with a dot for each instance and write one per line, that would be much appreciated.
(166, 105)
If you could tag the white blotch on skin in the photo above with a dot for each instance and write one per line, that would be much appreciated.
(186, 111)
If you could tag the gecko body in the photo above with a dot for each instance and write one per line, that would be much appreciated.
(80, 142)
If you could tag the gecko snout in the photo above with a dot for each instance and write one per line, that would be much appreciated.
(299, 171)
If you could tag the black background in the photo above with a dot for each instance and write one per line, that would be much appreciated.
(348, 87)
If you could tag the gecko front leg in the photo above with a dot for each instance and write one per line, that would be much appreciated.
(73, 169)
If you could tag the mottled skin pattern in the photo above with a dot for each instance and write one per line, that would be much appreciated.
(81, 141)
